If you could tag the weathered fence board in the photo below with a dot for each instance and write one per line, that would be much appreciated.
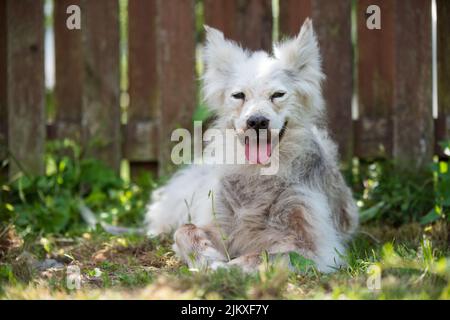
(413, 140)
(101, 86)
(332, 22)
(375, 64)
(394, 75)
(247, 21)
(443, 70)
(142, 127)
(3, 106)
(334, 31)
(68, 74)
(176, 71)
(292, 15)
(25, 71)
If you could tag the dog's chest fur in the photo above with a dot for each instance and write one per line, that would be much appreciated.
(245, 211)
(254, 193)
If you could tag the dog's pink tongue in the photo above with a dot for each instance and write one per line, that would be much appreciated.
(256, 153)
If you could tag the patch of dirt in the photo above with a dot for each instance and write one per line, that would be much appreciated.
(10, 242)
(411, 234)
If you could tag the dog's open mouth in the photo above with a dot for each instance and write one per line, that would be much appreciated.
(259, 150)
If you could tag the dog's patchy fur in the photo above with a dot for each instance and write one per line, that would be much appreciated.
(306, 207)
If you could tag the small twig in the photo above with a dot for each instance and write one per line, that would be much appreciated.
(7, 228)
(16, 161)
(188, 206)
(370, 236)
(222, 236)
(188, 211)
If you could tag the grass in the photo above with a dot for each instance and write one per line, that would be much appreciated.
(401, 252)
(413, 261)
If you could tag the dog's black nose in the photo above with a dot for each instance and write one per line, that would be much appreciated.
(257, 122)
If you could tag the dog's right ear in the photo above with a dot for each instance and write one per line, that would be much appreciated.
(221, 58)
(213, 34)
(220, 55)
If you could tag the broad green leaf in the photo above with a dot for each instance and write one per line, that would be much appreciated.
(430, 217)
(299, 262)
(371, 212)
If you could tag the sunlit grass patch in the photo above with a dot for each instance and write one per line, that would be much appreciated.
(410, 266)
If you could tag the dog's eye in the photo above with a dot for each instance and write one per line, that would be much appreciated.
(238, 95)
(277, 94)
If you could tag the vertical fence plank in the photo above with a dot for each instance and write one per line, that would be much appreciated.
(247, 21)
(332, 22)
(254, 23)
(3, 100)
(25, 69)
(176, 71)
(101, 90)
(221, 14)
(373, 134)
(68, 74)
(292, 15)
(142, 129)
(333, 26)
(443, 69)
(413, 118)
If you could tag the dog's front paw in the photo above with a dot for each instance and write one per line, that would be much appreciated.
(193, 245)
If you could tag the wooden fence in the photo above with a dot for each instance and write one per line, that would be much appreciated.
(391, 69)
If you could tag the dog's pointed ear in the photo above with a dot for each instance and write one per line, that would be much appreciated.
(300, 57)
(221, 58)
(220, 55)
(302, 52)
(213, 36)
(307, 31)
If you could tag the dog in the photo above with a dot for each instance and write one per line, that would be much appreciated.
(232, 215)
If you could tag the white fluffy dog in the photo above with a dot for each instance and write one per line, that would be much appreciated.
(229, 215)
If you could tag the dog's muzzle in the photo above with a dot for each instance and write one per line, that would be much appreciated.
(259, 146)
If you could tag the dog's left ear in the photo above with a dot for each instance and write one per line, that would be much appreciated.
(302, 53)
(300, 56)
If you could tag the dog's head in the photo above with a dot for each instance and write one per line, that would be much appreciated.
(256, 90)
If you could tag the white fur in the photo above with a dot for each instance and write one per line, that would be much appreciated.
(187, 192)
(308, 158)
